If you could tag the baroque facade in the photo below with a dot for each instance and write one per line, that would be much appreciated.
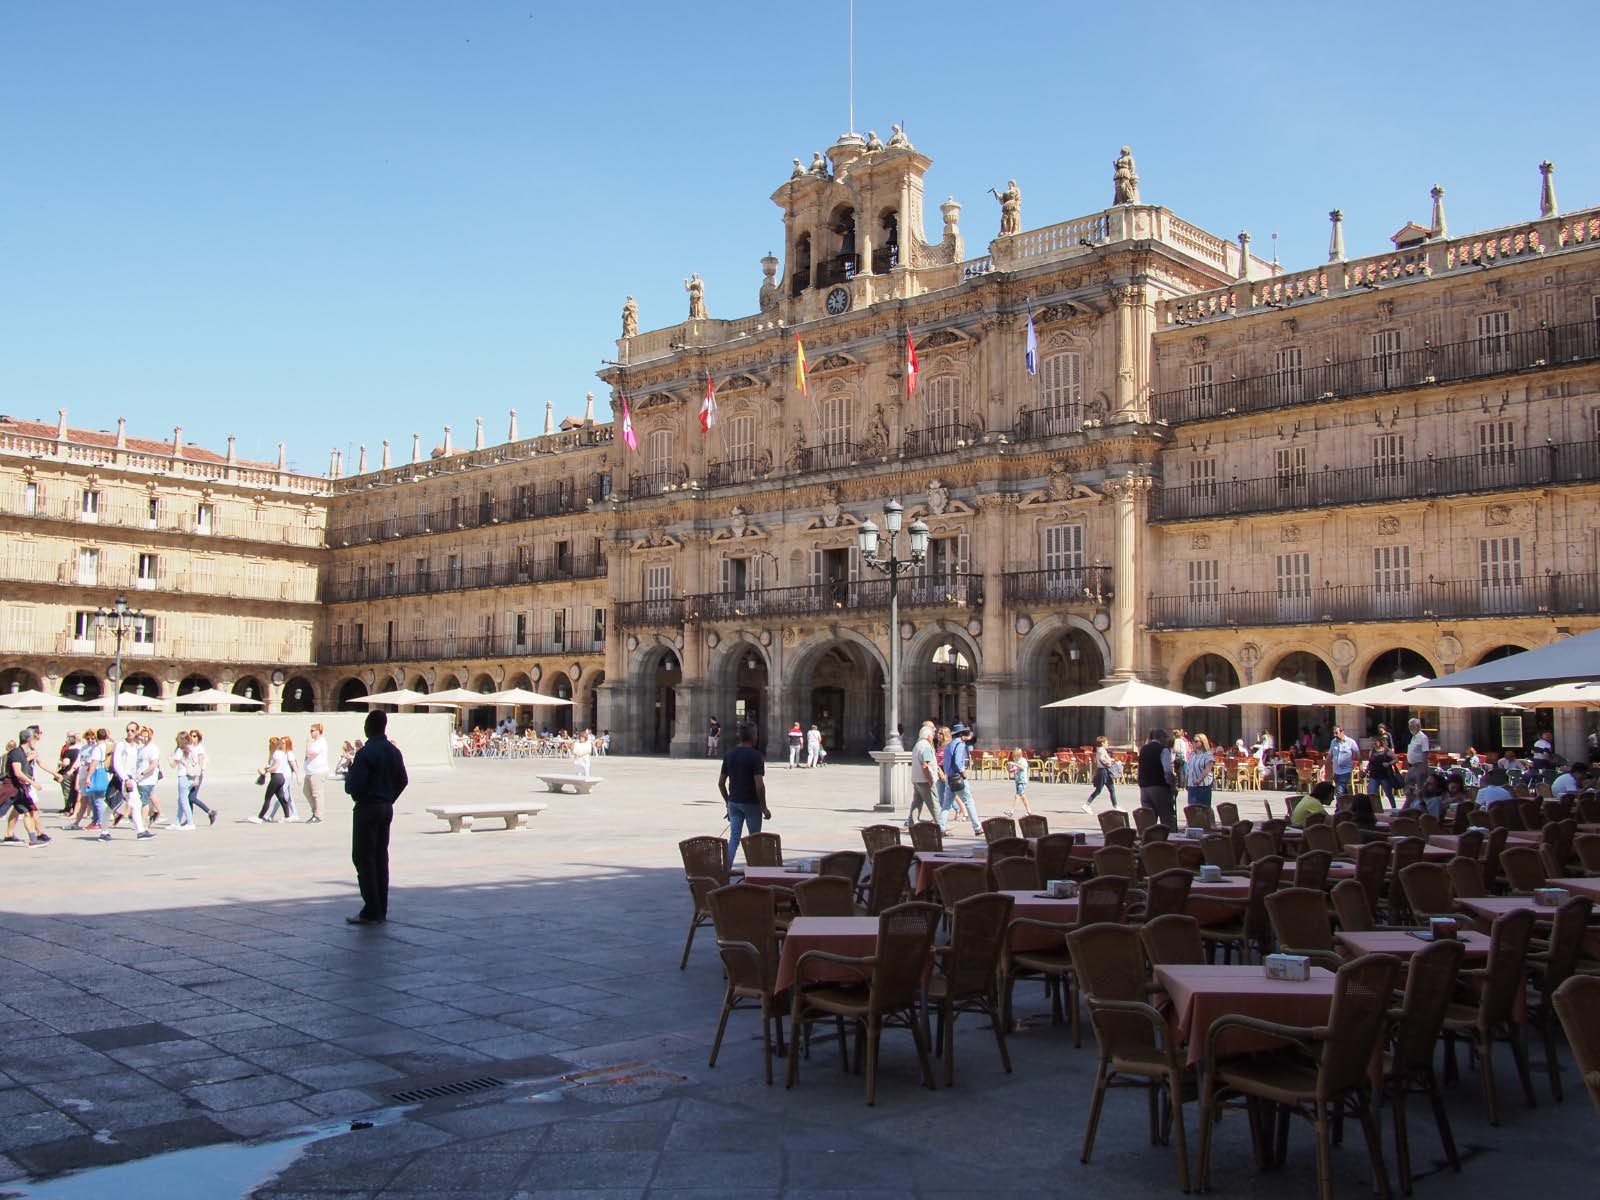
(1218, 472)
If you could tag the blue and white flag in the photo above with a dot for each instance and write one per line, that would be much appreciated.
(1032, 351)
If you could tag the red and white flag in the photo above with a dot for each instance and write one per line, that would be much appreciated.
(629, 437)
(708, 407)
(911, 366)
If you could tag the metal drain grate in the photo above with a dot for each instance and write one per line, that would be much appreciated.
(461, 1088)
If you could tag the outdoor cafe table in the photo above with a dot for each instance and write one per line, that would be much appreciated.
(778, 877)
(1201, 994)
(1580, 886)
(1036, 906)
(1401, 944)
(1336, 872)
(853, 936)
(1203, 896)
(927, 862)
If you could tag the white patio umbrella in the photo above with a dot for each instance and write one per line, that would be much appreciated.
(403, 696)
(1133, 693)
(522, 696)
(1571, 660)
(1402, 694)
(460, 696)
(127, 700)
(32, 698)
(1562, 695)
(1284, 693)
(218, 697)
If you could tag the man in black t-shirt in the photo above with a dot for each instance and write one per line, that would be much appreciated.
(743, 785)
(19, 774)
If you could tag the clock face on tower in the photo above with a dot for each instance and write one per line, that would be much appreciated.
(838, 300)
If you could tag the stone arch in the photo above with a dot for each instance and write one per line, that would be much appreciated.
(141, 683)
(80, 687)
(588, 701)
(739, 678)
(1210, 674)
(249, 686)
(938, 674)
(299, 695)
(802, 657)
(835, 680)
(20, 679)
(1483, 728)
(349, 692)
(651, 698)
(1039, 640)
(1396, 661)
(1310, 667)
(189, 684)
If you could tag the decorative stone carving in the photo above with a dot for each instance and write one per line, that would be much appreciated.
(1200, 343)
(1124, 179)
(874, 142)
(898, 138)
(830, 507)
(740, 521)
(797, 447)
(1386, 310)
(1388, 526)
(819, 165)
(938, 498)
(1342, 651)
(1289, 534)
(877, 439)
(1497, 514)
(831, 362)
(1010, 208)
(697, 297)
(630, 318)
(767, 298)
(1059, 483)
(1200, 541)
(1249, 654)
(799, 171)
(941, 338)
(1024, 624)
(1447, 649)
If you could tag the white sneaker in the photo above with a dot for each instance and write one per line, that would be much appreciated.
(254, 820)
(292, 817)
(183, 828)
(1089, 808)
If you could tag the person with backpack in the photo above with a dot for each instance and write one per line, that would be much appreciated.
(957, 758)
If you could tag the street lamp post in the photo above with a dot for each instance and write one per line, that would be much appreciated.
(120, 618)
(891, 760)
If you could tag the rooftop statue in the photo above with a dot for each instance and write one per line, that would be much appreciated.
(697, 297)
(1125, 179)
(872, 141)
(1010, 208)
(897, 137)
(630, 318)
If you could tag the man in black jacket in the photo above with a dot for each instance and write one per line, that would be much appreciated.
(1156, 779)
(374, 781)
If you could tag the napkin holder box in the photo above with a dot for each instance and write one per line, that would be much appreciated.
(1210, 873)
(1292, 968)
(1442, 929)
(1194, 832)
(974, 852)
(1080, 839)
(1061, 889)
(1550, 897)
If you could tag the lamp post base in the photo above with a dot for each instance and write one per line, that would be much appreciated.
(894, 780)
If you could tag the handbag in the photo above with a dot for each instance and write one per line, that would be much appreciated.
(99, 779)
(261, 778)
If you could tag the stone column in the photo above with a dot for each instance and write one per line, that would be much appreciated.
(1132, 349)
(1455, 729)
(994, 672)
(274, 696)
(1130, 496)
(1571, 734)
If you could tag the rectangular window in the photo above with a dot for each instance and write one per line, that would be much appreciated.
(152, 512)
(1493, 331)
(420, 574)
(145, 577)
(1391, 579)
(1202, 479)
(391, 578)
(1384, 358)
(388, 639)
(834, 447)
(943, 406)
(358, 636)
(520, 630)
(599, 630)
(661, 457)
(561, 558)
(1290, 464)
(742, 443)
(1197, 381)
(658, 582)
(361, 583)
(1289, 366)
(144, 635)
(1389, 456)
(1063, 560)
(485, 507)
(88, 567)
(204, 518)
(452, 571)
(30, 498)
(1061, 389)
(89, 505)
(83, 630)
(1294, 586)
(558, 628)
(1500, 563)
(737, 577)
(1203, 581)
(1497, 444)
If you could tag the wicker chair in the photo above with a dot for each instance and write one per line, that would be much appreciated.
(1258, 843)
(1587, 846)
(1577, 1003)
(1427, 890)
(847, 864)
(826, 896)
(1349, 836)
(1122, 837)
(1103, 899)
(1466, 877)
(1053, 855)
(1158, 856)
(927, 837)
(1372, 872)
(958, 881)
(1218, 850)
(1033, 826)
(1331, 1085)
(1113, 818)
(890, 878)
(968, 974)
(1251, 927)
(1165, 892)
(762, 849)
(876, 837)
(1552, 964)
(1490, 1015)
(1491, 858)
(1155, 833)
(1322, 837)
(1136, 1045)
(1301, 925)
(743, 916)
(1013, 874)
(705, 867)
(1173, 941)
(1143, 818)
(889, 998)
(1413, 1035)
(1311, 870)
(1199, 816)
(1470, 843)
(996, 828)
(1352, 907)
(1227, 813)
(1524, 869)
(1116, 860)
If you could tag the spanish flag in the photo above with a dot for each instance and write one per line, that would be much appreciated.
(800, 366)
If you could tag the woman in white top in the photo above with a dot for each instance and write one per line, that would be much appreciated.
(316, 772)
(1104, 774)
(277, 771)
(581, 750)
(148, 771)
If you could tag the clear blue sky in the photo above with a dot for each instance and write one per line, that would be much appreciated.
(334, 222)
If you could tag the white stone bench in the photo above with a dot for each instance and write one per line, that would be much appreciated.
(582, 784)
(460, 816)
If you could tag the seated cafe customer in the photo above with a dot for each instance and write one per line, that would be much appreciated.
(1570, 781)
(1322, 795)
(1357, 807)
(1493, 790)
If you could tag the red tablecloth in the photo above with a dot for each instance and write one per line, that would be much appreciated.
(1037, 907)
(1336, 872)
(929, 861)
(777, 877)
(1199, 995)
(1581, 886)
(854, 936)
(1202, 897)
(1402, 945)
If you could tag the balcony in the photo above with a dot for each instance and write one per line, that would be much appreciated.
(464, 579)
(1499, 354)
(829, 456)
(648, 614)
(938, 439)
(110, 514)
(1426, 600)
(744, 469)
(1054, 421)
(950, 590)
(654, 483)
(1486, 471)
(554, 501)
(410, 650)
(1075, 585)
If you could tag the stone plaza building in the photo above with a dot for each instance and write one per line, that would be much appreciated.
(1215, 472)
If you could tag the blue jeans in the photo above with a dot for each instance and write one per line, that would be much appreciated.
(742, 819)
(959, 793)
(1341, 784)
(941, 790)
(1378, 787)
(1200, 793)
(185, 813)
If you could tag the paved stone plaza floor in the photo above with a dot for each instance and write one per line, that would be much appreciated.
(192, 1017)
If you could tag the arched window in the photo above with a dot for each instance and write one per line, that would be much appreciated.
(800, 275)
(1061, 391)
